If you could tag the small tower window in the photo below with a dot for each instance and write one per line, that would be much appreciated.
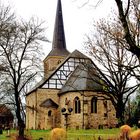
(59, 61)
(77, 105)
(94, 105)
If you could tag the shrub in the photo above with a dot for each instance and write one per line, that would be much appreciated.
(58, 134)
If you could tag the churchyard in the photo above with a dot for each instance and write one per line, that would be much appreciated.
(91, 134)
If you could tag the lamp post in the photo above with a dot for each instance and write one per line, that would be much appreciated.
(66, 113)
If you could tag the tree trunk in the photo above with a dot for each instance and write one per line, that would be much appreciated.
(21, 125)
(120, 108)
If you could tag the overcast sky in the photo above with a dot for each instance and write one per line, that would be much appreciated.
(77, 21)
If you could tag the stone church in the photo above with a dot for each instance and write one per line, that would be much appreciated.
(68, 96)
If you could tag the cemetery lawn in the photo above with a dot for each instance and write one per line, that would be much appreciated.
(72, 134)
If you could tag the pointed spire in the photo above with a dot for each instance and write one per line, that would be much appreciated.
(59, 43)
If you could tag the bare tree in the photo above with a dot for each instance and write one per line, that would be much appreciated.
(20, 54)
(129, 15)
(110, 60)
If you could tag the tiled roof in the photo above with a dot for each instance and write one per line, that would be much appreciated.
(49, 103)
(84, 83)
(74, 54)
(82, 80)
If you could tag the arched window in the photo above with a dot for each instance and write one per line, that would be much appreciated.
(77, 105)
(49, 113)
(94, 105)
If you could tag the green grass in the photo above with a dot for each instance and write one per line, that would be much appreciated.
(90, 134)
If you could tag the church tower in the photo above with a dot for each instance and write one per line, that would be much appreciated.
(59, 50)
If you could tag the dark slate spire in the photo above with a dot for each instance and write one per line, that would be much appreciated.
(59, 43)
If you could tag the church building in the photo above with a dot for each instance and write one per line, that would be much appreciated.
(68, 96)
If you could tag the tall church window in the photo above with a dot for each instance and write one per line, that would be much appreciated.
(105, 107)
(33, 109)
(77, 105)
(94, 105)
(49, 113)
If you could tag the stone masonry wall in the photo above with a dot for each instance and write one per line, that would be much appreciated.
(51, 63)
(86, 119)
(30, 111)
(37, 119)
